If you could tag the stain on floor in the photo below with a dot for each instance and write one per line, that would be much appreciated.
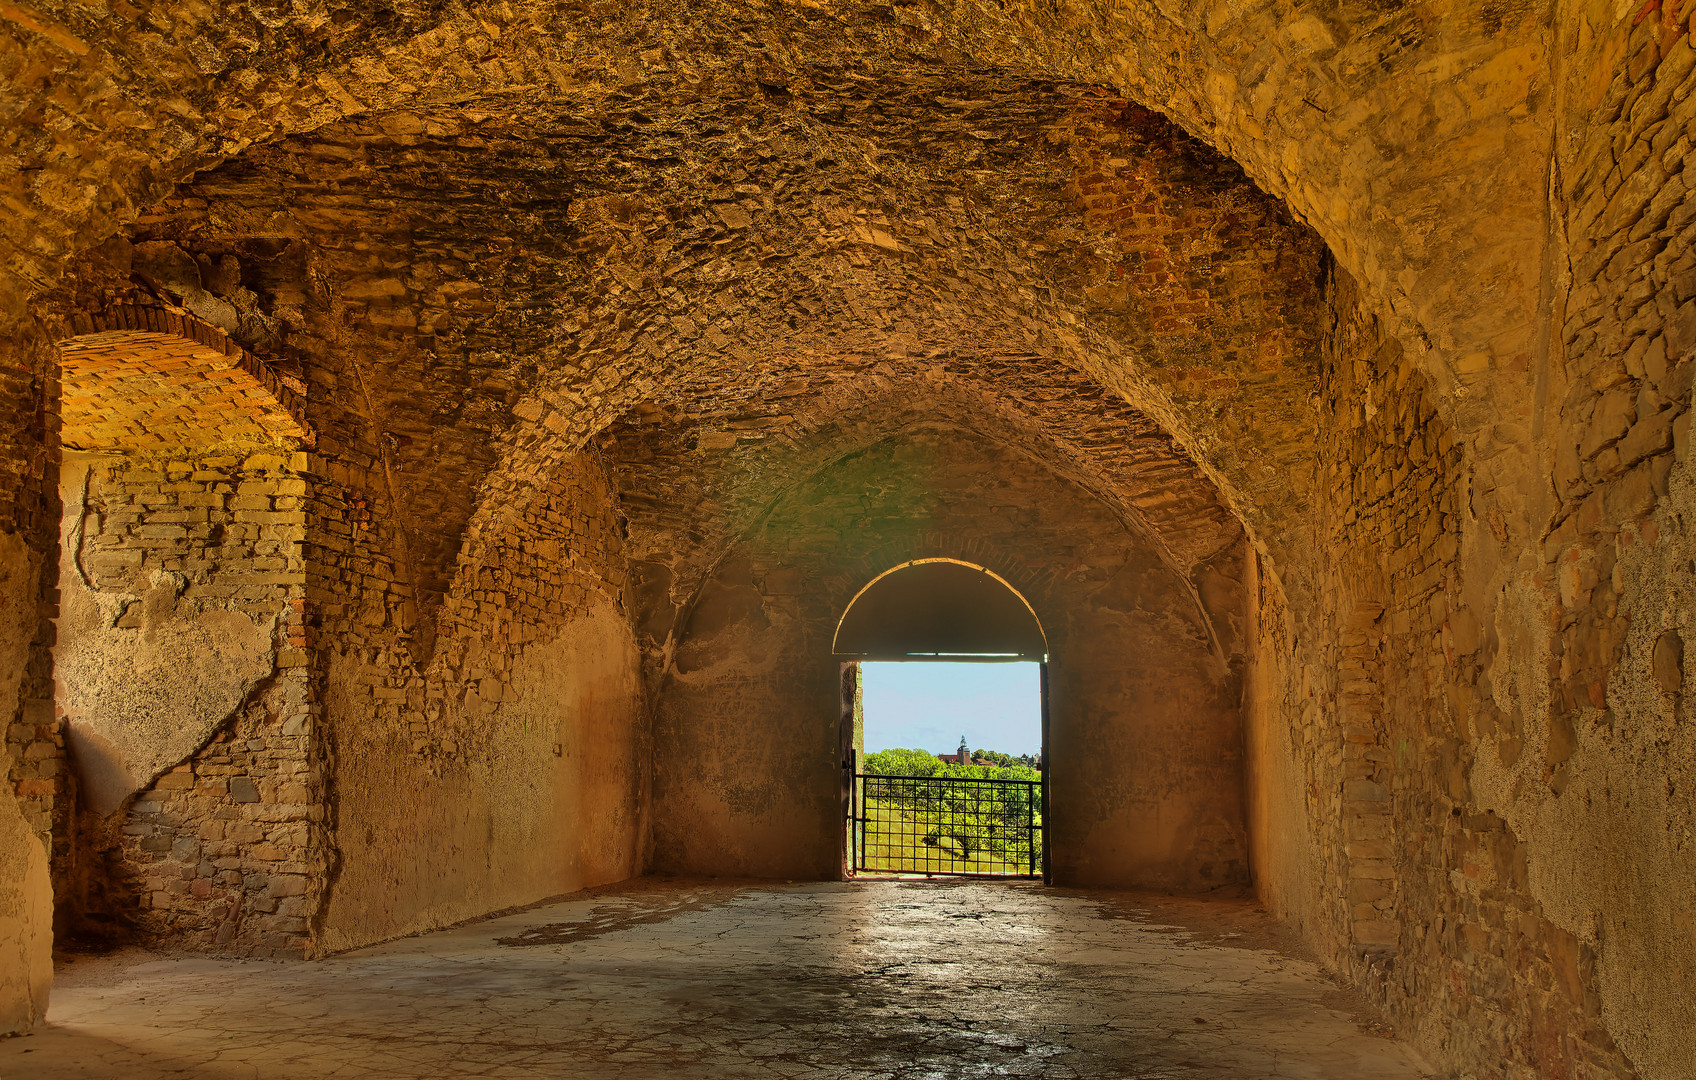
(873, 979)
(621, 912)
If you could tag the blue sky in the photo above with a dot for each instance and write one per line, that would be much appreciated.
(927, 706)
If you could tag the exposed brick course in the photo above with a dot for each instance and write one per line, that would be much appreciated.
(144, 391)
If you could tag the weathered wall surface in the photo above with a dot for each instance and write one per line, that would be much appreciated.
(1608, 812)
(1279, 710)
(1145, 738)
(26, 888)
(175, 580)
(225, 852)
(1492, 631)
(182, 687)
(1389, 722)
(34, 808)
(747, 768)
(1587, 753)
(1145, 750)
(511, 764)
(1548, 909)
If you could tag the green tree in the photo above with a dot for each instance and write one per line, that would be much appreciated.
(899, 762)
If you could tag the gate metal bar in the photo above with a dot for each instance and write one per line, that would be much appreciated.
(952, 826)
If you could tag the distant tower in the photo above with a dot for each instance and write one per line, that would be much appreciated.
(965, 752)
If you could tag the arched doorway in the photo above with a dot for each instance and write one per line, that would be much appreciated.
(940, 815)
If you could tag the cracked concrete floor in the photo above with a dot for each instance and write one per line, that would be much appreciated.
(664, 978)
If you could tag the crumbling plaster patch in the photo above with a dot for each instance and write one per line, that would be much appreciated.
(139, 698)
(1602, 798)
(139, 701)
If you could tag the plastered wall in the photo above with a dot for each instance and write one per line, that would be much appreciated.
(1145, 742)
(509, 764)
(1145, 737)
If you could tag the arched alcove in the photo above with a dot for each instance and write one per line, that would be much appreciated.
(180, 684)
(940, 608)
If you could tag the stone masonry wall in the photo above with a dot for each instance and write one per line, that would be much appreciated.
(1387, 698)
(33, 803)
(1588, 752)
(1620, 407)
(183, 684)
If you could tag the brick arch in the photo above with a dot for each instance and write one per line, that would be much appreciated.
(1032, 583)
(1013, 629)
(1035, 584)
(146, 378)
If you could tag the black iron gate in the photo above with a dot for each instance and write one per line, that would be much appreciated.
(945, 825)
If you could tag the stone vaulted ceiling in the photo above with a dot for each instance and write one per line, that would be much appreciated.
(584, 295)
(693, 480)
(476, 292)
(1435, 117)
